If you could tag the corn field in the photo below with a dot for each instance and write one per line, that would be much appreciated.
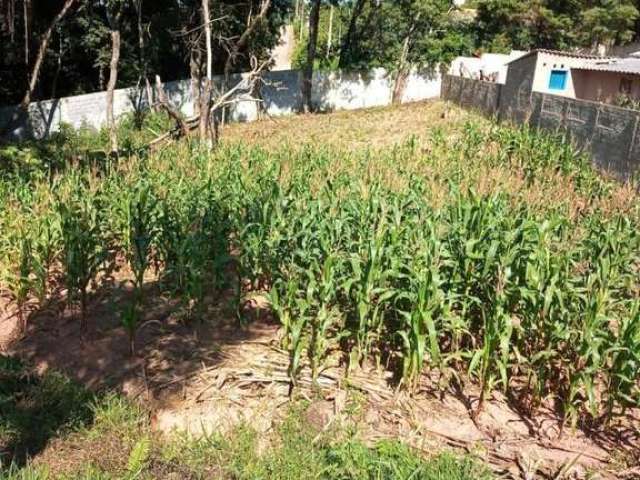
(451, 257)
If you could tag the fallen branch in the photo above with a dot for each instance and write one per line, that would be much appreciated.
(173, 113)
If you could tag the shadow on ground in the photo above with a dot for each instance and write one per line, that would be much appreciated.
(34, 408)
(52, 376)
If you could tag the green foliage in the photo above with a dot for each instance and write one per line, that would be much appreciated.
(391, 459)
(390, 259)
(296, 449)
(423, 33)
(78, 55)
(34, 408)
(83, 248)
(511, 24)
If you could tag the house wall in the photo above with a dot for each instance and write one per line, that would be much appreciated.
(602, 86)
(488, 63)
(516, 95)
(546, 64)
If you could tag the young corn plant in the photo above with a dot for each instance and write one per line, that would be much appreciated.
(366, 283)
(422, 328)
(46, 249)
(140, 220)
(293, 312)
(623, 352)
(23, 281)
(83, 246)
(322, 288)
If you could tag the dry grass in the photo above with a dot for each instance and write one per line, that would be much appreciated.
(360, 129)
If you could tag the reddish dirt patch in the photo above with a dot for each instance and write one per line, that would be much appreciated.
(250, 385)
(170, 348)
(214, 374)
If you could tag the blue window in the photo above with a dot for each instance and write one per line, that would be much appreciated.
(558, 80)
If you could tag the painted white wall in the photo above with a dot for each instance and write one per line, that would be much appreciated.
(546, 63)
(487, 63)
(281, 95)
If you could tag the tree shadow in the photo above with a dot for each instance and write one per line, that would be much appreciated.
(172, 346)
(34, 408)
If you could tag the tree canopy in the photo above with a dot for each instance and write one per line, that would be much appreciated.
(560, 24)
(78, 55)
(165, 37)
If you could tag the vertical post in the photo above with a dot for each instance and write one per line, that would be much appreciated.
(330, 37)
(630, 150)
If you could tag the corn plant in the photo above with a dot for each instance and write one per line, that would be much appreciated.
(138, 211)
(293, 314)
(83, 246)
(624, 354)
(322, 288)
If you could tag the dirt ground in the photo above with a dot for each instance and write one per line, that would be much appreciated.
(213, 374)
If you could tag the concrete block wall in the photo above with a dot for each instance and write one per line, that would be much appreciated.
(610, 134)
(469, 93)
(280, 94)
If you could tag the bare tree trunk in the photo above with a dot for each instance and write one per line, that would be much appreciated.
(239, 45)
(173, 113)
(142, 58)
(114, 25)
(403, 65)
(42, 50)
(399, 86)
(23, 109)
(10, 19)
(206, 20)
(301, 21)
(330, 36)
(27, 16)
(350, 37)
(205, 90)
(194, 67)
(401, 75)
(307, 74)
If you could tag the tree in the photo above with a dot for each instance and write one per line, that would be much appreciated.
(205, 89)
(400, 35)
(307, 73)
(156, 38)
(241, 43)
(44, 43)
(351, 36)
(608, 22)
(559, 24)
(113, 12)
(34, 74)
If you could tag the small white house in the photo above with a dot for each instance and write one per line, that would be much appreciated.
(577, 75)
(550, 71)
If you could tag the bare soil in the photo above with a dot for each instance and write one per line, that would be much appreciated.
(214, 374)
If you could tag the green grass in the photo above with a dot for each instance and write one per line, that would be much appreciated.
(108, 437)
